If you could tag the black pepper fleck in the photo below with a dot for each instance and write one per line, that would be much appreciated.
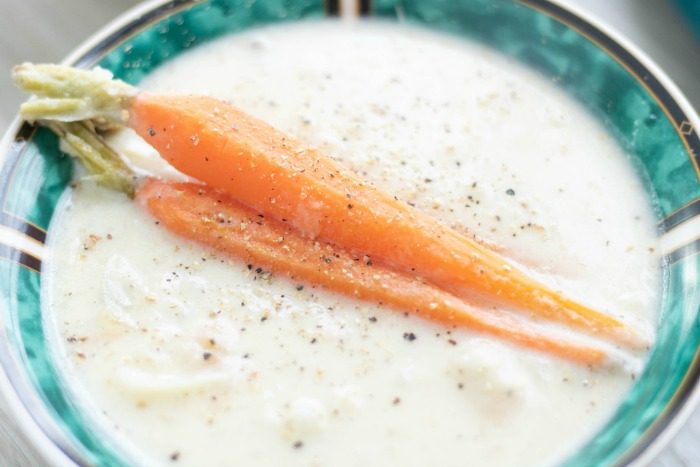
(510, 192)
(409, 336)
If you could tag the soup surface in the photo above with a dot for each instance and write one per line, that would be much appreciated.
(187, 357)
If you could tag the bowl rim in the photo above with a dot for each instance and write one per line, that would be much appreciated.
(31, 416)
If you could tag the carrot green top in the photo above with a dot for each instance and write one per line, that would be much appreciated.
(75, 104)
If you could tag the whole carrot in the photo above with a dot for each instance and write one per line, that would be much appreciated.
(278, 176)
(210, 217)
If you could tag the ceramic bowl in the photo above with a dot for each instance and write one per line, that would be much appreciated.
(620, 87)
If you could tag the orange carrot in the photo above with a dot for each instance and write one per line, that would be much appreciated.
(279, 176)
(212, 218)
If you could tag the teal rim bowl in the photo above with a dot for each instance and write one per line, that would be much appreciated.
(619, 86)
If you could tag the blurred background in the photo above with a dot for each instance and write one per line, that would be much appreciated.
(47, 30)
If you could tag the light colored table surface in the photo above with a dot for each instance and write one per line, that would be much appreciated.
(46, 30)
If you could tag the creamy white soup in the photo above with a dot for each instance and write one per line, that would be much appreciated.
(185, 357)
